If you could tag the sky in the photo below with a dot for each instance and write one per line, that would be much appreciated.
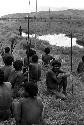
(22, 6)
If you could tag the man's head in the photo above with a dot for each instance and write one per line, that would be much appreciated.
(56, 65)
(31, 89)
(8, 60)
(47, 50)
(18, 65)
(7, 49)
(31, 52)
(34, 58)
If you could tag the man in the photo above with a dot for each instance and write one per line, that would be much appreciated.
(80, 68)
(31, 53)
(46, 58)
(29, 110)
(7, 53)
(56, 78)
(16, 77)
(20, 30)
(7, 68)
(34, 69)
(5, 98)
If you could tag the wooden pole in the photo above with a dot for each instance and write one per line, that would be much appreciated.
(36, 23)
(28, 49)
(36, 6)
(71, 51)
(71, 60)
(49, 18)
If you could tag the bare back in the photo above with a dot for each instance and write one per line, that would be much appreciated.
(31, 111)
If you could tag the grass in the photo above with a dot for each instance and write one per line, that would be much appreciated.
(70, 111)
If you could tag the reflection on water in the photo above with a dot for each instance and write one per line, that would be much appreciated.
(26, 35)
(59, 40)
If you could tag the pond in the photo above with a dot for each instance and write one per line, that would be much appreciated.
(56, 39)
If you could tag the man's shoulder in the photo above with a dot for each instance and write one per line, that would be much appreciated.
(2, 67)
(7, 54)
(8, 85)
(50, 71)
(35, 64)
(40, 101)
(7, 69)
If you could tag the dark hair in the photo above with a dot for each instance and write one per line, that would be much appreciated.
(47, 50)
(34, 58)
(83, 58)
(8, 60)
(7, 49)
(31, 52)
(56, 62)
(18, 65)
(31, 89)
(1, 77)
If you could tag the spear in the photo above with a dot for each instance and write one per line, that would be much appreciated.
(28, 49)
(36, 24)
(28, 46)
(71, 50)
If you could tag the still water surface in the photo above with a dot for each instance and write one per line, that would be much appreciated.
(56, 39)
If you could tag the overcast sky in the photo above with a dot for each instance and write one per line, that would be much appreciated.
(22, 6)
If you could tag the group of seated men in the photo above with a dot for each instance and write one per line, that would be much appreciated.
(14, 84)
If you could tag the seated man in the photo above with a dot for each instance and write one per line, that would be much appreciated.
(29, 110)
(46, 58)
(5, 98)
(7, 53)
(80, 68)
(16, 77)
(34, 69)
(7, 68)
(31, 53)
(56, 78)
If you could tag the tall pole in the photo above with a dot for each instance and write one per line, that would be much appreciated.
(28, 27)
(71, 60)
(36, 23)
(28, 48)
(71, 51)
(36, 6)
(71, 40)
(49, 18)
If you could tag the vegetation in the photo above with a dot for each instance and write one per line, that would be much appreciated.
(57, 112)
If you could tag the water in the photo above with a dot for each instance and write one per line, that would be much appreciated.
(56, 39)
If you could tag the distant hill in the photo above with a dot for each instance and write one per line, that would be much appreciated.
(69, 12)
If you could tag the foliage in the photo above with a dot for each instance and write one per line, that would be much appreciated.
(70, 111)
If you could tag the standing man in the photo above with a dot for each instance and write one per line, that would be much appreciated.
(20, 31)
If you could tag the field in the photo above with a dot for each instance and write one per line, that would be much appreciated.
(57, 112)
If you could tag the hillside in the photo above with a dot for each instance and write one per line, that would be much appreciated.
(47, 23)
(68, 12)
(57, 112)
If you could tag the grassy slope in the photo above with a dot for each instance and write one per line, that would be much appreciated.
(56, 111)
